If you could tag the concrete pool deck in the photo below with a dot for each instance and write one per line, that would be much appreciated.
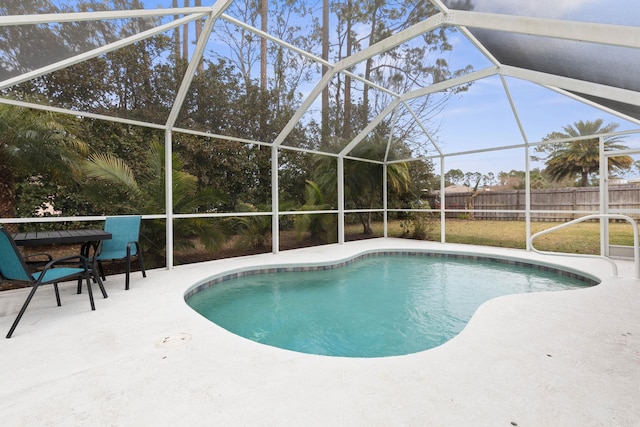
(145, 358)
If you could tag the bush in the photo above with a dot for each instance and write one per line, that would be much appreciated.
(418, 225)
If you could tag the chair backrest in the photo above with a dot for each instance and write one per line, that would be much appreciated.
(12, 266)
(123, 229)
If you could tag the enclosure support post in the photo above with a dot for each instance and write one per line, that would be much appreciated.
(384, 198)
(527, 193)
(527, 167)
(604, 198)
(340, 199)
(168, 201)
(275, 206)
(443, 237)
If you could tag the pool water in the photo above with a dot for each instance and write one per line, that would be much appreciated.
(374, 307)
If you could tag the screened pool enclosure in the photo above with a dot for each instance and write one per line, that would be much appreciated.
(387, 91)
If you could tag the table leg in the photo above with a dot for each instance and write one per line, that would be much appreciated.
(94, 272)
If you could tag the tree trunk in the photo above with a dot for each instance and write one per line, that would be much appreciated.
(176, 32)
(471, 203)
(325, 92)
(367, 217)
(585, 179)
(185, 37)
(264, 7)
(346, 125)
(368, 65)
(198, 3)
(368, 230)
(365, 220)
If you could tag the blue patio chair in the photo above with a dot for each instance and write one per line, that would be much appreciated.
(13, 267)
(125, 232)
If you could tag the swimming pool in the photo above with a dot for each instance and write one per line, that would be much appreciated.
(380, 304)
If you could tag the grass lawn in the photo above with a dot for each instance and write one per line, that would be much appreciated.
(581, 238)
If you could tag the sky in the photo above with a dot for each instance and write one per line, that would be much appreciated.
(483, 117)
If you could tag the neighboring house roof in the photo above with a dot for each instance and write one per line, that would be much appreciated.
(455, 188)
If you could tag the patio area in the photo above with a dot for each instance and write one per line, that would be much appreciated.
(145, 358)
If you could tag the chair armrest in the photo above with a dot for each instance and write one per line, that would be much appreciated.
(44, 254)
(37, 263)
(81, 260)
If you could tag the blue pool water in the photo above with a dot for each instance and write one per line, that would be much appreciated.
(377, 306)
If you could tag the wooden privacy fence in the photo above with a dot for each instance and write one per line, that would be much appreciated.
(555, 204)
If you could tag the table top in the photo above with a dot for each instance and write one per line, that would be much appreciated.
(36, 238)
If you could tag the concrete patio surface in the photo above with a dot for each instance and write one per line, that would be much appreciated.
(144, 358)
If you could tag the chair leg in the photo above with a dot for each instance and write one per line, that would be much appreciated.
(139, 253)
(22, 310)
(126, 283)
(101, 268)
(90, 291)
(84, 251)
(55, 286)
(104, 292)
(96, 279)
(144, 273)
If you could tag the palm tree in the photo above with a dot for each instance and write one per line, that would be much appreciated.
(322, 226)
(582, 157)
(145, 193)
(34, 144)
(254, 231)
(363, 180)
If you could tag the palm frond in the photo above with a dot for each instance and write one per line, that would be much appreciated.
(111, 169)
